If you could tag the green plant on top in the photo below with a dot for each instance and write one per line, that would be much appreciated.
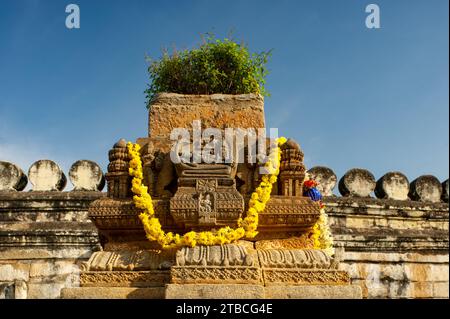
(216, 66)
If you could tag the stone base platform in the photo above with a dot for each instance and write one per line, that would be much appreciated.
(232, 271)
(212, 291)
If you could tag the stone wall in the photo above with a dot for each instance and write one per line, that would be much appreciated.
(392, 246)
(391, 235)
(45, 233)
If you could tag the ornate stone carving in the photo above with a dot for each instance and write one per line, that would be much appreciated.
(286, 216)
(205, 196)
(218, 255)
(129, 260)
(192, 170)
(148, 166)
(305, 277)
(166, 175)
(147, 278)
(117, 219)
(201, 203)
(246, 176)
(294, 258)
(215, 275)
(158, 169)
(299, 242)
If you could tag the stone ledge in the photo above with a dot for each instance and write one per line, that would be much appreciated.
(212, 291)
(112, 293)
(47, 200)
(361, 243)
(68, 252)
(48, 234)
(174, 291)
(69, 195)
(396, 257)
(387, 204)
(313, 292)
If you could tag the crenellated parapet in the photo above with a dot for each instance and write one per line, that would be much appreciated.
(392, 233)
(47, 176)
(361, 183)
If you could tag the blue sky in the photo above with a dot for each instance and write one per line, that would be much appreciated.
(351, 96)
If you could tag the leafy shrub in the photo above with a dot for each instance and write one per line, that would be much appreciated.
(216, 66)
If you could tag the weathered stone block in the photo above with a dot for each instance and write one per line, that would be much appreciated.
(410, 289)
(325, 177)
(445, 191)
(393, 272)
(6, 290)
(441, 290)
(357, 182)
(86, 176)
(45, 290)
(14, 270)
(20, 289)
(46, 175)
(426, 272)
(392, 185)
(112, 293)
(13, 290)
(426, 188)
(12, 177)
(371, 289)
(53, 268)
(205, 291)
(170, 110)
(313, 292)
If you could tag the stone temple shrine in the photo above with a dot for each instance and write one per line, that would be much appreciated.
(88, 244)
(279, 262)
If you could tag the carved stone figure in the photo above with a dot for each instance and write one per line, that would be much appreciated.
(166, 176)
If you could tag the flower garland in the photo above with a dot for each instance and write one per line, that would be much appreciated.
(246, 227)
(320, 233)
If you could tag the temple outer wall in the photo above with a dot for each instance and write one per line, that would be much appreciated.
(44, 236)
(392, 248)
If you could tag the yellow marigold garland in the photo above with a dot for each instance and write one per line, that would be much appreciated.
(246, 227)
(321, 233)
